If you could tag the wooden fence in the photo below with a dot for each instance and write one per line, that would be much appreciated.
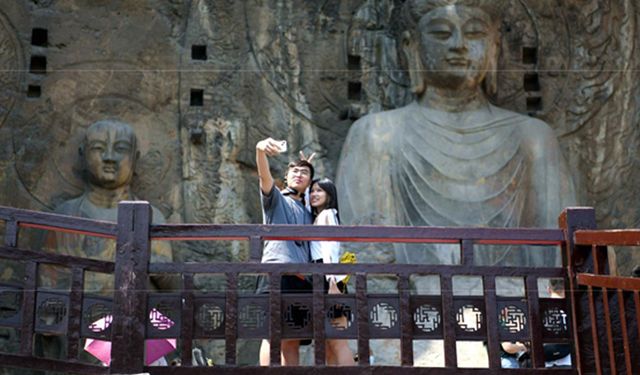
(585, 319)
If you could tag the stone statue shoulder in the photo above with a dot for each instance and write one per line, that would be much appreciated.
(70, 207)
(376, 128)
(541, 137)
(536, 134)
(158, 216)
(75, 207)
(384, 121)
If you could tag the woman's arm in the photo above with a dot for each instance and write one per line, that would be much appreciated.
(330, 249)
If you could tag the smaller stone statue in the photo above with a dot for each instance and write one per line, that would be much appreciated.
(109, 154)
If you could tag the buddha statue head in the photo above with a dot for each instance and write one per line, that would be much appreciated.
(452, 44)
(109, 154)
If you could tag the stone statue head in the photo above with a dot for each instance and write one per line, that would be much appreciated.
(452, 43)
(109, 154)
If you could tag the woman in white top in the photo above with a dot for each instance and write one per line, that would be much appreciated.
(324, 206)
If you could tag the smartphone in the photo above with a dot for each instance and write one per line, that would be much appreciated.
(283, 146)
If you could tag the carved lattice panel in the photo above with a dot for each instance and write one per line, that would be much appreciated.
(209, 317)
(164, 316)
(513, 319)
(10, 307)
(96, 317)
(427, 317)
(384, 316)
(297, 316)
(52, 312)
(253, 316)
(554, 317)
(470, 318)
(340, 317)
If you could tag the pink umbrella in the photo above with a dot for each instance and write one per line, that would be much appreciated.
(100, 349)
(154, 349)
(158, 348)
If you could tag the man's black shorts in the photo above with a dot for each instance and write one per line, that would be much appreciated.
(295, 285)
(288, 284)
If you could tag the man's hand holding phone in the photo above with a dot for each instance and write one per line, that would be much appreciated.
(272, 147)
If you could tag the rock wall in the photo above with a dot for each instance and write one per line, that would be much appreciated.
(203, 80)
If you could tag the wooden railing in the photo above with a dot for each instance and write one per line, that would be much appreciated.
(132, 301)
(613, 305)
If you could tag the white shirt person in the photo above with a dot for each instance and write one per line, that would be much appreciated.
(324, 205)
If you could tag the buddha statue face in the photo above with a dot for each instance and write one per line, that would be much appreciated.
(450, 45)
(109, 152)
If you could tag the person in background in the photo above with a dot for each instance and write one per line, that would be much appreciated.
(511, 352)
(557, 354)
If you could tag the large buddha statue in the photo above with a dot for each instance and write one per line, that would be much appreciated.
(451, 157)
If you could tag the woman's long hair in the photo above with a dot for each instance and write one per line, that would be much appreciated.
(332, 196)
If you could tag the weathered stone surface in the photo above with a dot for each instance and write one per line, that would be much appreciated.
(95, 71)
(297, 70)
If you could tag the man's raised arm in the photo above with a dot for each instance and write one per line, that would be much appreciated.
(264, 148)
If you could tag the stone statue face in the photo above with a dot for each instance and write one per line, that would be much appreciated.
(110, 154)
(456, 46)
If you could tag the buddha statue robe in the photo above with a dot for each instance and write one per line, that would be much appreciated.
(101, 248)
(491, 167)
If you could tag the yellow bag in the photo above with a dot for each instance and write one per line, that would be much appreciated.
(348, 257)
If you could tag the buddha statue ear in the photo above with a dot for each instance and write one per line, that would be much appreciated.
(490, 83)
(82, 163)
(414, 63)
(136, 158)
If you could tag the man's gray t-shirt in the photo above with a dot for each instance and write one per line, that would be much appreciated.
(280, 209)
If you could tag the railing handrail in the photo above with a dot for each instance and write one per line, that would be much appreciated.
(88, 264)
(608, 237)
(358, 233)
(361, 233)
(610, 282)
(328, 269)
(57, 222)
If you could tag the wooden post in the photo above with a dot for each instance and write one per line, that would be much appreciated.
(255, 249)
(186, 332)
(75, 313)
(362, 307)
(577, 259)
(29, 307)
(11, 233)
(318, 319)
(131, 282)
(275, 318)
(449, 322)
(231, 319)
(406, 320)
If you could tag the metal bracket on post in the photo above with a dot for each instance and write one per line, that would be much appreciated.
(131, 279)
